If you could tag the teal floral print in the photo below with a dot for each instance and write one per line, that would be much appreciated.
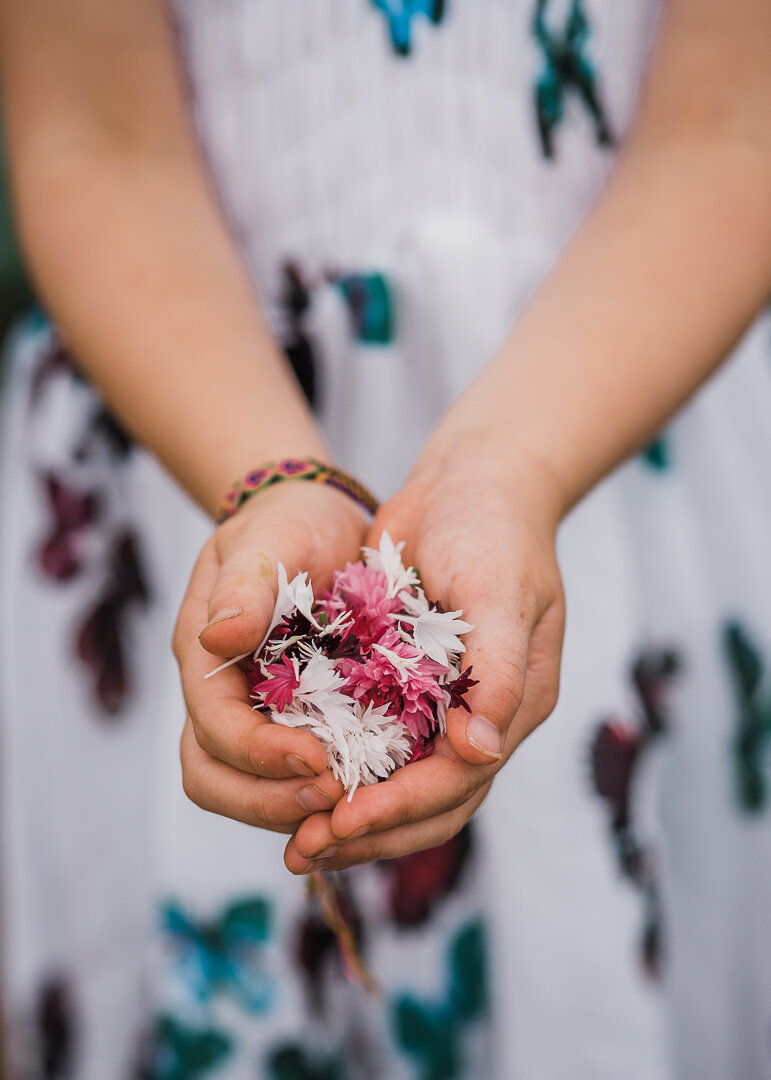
(432, 1032)
(400, 14)
(751, 744)
(294, 1062)
(657, 454)
(370, 302)
(178, 1052)
(566, 69)
(224, 955)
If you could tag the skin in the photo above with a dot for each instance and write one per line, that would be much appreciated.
(662, 279)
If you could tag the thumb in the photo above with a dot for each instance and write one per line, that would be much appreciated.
(497, 653)
(515, 654)
(241, 602)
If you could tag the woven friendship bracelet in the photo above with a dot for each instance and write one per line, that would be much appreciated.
(273, 472)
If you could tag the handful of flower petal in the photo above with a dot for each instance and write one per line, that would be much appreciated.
(369, 667)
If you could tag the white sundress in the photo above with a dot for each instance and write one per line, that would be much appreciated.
(399, 175)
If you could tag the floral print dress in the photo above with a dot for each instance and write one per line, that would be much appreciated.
(399, 175)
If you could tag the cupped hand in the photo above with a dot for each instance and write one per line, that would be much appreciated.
(481, 535)
(234, 761)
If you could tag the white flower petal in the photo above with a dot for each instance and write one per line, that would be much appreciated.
(414, 604)
(300, 592)
(388, 559)
(403, 664)
(284, 606)
(338, 624)
(437, 634)
(363, 745)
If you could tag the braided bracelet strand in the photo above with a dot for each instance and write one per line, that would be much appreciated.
(274, 472)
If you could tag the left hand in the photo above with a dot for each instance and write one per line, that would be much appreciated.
(481, 534)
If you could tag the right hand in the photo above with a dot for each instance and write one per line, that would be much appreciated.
(236, 762)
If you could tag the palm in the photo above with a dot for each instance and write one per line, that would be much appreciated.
(477, 550)
(234, 761)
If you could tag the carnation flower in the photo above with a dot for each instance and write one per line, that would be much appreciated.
(299, 592)
(388, 558)
(278, 684)
(362, 590)
(370, 667)
(437, 633)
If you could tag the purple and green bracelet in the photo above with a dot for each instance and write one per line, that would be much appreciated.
(274, 472)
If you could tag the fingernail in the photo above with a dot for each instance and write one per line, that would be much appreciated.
(312, 799)
(299, 766)
(362, 831)
(484, 736)
(222, 614)
(323, 853)
(312, 867)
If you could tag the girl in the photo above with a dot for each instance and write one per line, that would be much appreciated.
(403, 182)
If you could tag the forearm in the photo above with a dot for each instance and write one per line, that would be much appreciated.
(127, 244)
(647, 300)
(132, 261)
(659, 282)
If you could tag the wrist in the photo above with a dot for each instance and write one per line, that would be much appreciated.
(496, 457)
(229, 464)
(308, 470)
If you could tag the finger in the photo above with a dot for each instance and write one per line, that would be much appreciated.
(307, 527)
(443, 781)
(417, 792)
(503, 609)
(497, 652)
(517, 687)
(243, 594)
(226, 726)
(278, 805)
(391, 844)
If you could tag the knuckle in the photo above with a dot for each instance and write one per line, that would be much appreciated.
(526, 594)
(547, 700)
(455, 824)
(230, 585)
(192, 786)
(176, 642)
(359, 855)
(404, 815)
(202, 736)
(264, 812)
(466, 786)
(250, 751)
(552, 699)
(256, 806)
(505, 687)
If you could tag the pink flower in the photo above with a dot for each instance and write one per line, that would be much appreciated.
(398, 676)
(279, 684)
(364, 592)
(370, 667)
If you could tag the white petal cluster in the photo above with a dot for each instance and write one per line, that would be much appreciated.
(435, 633)
(338, 624)
(403, 665)
(363, 745)
(299, 592)
(294, 595)
(381, 744)
(388, 558)
(285, 605)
